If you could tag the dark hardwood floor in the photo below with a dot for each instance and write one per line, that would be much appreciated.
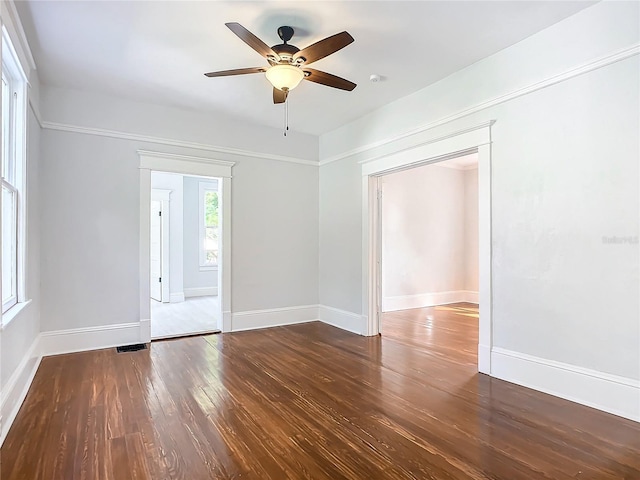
(308, 402)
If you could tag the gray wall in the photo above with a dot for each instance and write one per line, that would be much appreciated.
(90, 270)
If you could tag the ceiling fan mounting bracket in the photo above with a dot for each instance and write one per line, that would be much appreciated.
(285, 33)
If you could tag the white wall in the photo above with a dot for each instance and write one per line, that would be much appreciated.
(195, 279)
(19, 339)
(471, 264)
(423, 237)
(174, 183)
(275, 235)
(90, 260)
(564, 175)
(90, 269)
(97, 114)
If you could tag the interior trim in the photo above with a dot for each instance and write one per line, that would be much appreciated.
(15, 390)
(554, 79)
(604, 391)
(101, 132)
(185, 165)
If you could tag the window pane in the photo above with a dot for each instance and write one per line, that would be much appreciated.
(211, 245)
(210, 220)
(9, 242)
(6, 126)
(212, 258)
(211, 208)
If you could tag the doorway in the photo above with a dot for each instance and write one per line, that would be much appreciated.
(184, 260)
(429, 257)
(449, 144)
(174, 300)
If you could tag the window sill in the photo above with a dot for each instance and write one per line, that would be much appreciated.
(13, 312)
(208, 269)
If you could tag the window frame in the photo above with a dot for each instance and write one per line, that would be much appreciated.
(203, 188)
(15, 178)
(12, 300)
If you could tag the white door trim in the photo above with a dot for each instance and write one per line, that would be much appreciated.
(186, 165)
(476, 139)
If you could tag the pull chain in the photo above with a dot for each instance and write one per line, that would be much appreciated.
(286, 115)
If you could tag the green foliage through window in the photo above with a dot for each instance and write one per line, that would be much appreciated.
(211, 209)
(210, 228)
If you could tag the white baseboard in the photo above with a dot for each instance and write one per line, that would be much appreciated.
(93, 338)
(471, 297)
(273, 317)
(200, 292)
(352, 322)
(611, 393)
(421, 300)
(17, 386)
(176, 297)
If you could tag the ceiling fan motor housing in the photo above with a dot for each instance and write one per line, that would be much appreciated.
(284, 49)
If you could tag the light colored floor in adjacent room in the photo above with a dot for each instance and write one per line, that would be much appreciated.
(194, 315)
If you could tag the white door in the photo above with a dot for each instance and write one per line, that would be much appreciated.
(155, 277)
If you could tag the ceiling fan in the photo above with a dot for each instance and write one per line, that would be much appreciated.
(288, 64)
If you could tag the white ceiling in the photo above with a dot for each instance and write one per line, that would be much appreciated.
(158, 51)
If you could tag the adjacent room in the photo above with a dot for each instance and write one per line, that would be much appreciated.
(184, 245)
(320, 240)
(429, 255)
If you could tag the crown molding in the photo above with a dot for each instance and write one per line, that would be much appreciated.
(21, 37)
(614, 57)
(555, 79)
(172, 142)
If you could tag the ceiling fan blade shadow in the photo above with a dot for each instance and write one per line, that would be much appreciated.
(325, 47)
(279, 96)
(237, 71)
(328, 79)
(250, 39)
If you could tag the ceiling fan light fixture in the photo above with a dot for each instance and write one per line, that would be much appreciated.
(284, 77)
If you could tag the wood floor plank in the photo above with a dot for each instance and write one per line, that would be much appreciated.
(309, 402)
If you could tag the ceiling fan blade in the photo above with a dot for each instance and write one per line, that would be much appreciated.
(327, 79)
(250, 39)
(324, 47)
(237, 71)
(279, 96)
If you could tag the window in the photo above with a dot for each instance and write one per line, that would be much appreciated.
(13, 176)
(209, 225)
